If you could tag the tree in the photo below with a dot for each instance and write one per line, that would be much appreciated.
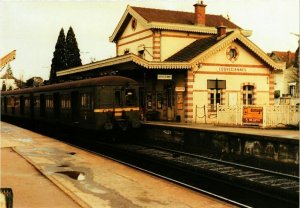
(34, 82)
(72, 50)
(59, 56)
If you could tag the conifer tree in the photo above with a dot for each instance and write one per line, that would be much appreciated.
(59, 56)
(72, 50)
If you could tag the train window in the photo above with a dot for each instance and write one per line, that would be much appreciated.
(65, 102)
(42, 105)
(49, 101)
(5, 104)
(27, 101)
(17, 101)
(118, 100)
(129, 97)
(22, 105)
(12, 104)
(2, 104)
(37, 102)
(86, 101)
(68, 103)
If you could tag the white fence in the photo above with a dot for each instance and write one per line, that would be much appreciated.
(272, 116)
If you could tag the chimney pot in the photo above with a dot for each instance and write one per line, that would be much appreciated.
(221, 30)
(199, 13)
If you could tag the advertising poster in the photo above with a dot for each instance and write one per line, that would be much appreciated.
(253, 115)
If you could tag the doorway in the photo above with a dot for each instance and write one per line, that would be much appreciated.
(75, 106)
(168, 109)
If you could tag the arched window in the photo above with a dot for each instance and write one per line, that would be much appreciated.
(248, 95)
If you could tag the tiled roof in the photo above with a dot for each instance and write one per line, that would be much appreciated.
(282, 56)
(194, 49)
(179, 17)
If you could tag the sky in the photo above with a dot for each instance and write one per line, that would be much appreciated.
(31, 27)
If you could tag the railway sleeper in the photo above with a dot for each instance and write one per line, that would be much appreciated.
(244, 174)
(262, 177)
(232, 172)
(225, 169)
(196, 163)
(291, 185)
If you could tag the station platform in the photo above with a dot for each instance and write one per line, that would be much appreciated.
(44, 172)
(267, 132)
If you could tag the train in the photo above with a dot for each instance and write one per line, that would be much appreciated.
(100, 104)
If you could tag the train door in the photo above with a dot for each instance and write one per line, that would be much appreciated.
(32, 106)
(5, 104)
(22, 105)
(75, 106)
(42, 105)
(56, 102)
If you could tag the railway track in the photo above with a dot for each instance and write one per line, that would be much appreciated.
(113, 157)
(269, 178)
(241, 185)
(247, 185)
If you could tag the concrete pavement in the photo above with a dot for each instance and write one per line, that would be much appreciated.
(276, 133)
(44, 172)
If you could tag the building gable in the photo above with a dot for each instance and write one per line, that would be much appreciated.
(136, 38)
(221, 44)
(283, 56)
(172, 20)
(127, 17)
(235, 59)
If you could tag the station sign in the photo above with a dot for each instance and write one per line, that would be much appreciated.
(253, 115)
(179, 89)
(164, 76)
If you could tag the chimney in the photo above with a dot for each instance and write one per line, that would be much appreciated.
(289, 56)
(200, 13)
(221, 30)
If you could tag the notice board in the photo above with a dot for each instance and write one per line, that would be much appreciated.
(253, 115)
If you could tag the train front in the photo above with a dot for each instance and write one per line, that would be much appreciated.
(126, 112)
(119, 106)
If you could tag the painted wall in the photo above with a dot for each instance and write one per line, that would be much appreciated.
(172, 42)
(246, 70)
(132, 39)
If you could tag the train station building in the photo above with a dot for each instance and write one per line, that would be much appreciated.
(187, 63)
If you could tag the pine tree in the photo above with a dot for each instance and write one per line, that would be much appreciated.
(72, 50)
(59, 56)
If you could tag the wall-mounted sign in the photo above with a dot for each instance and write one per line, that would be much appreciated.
(164, 76)
(253, 115)
(216, 84)
(179, 89)
(232, 69)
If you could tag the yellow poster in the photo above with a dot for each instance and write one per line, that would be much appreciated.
(253, 115)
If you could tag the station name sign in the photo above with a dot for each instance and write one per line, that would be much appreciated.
(164, 76)
(179, 89)
(232, 69)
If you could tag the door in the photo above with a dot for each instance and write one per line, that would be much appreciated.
(75, 106)
(168, 102)
(42, 105)
(56, 105)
